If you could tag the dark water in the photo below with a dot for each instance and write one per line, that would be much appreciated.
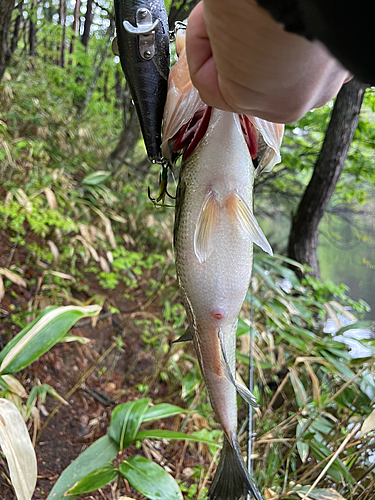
(346, 250)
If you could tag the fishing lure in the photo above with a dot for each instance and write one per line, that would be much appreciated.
(143, 46)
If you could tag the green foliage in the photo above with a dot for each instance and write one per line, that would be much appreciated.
(150, 479)
(311, 390)
(40, 335)
(90, 470)
(98, 455)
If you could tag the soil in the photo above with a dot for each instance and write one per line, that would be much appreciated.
(92, 389)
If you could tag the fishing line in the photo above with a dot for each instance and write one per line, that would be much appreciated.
(251, 381)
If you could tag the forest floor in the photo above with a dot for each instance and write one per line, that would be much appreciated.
(93, 378)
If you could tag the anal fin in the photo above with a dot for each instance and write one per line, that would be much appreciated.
(185, 337)
(242, 390)
(240, 212)
(208, 220)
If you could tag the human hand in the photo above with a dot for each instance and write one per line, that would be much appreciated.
(242, 61)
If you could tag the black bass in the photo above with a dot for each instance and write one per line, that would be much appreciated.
(215, 229)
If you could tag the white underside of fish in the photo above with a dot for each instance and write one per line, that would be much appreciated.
(214, 250)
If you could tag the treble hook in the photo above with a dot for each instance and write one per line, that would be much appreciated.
(178, 25)
(159, 201)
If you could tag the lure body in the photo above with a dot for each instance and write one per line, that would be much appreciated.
(145, 62)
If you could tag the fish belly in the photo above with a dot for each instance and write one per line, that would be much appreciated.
(214, 290)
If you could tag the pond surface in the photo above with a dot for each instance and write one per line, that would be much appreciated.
(346, 249)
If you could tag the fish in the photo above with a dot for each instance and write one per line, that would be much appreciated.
(143, 46)
(214, 232)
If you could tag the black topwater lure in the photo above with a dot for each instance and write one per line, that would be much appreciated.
(143, 44)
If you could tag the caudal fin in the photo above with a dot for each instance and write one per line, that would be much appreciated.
(232, 480)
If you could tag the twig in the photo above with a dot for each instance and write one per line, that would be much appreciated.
(334, 456)
(208, 473)
(76, 386)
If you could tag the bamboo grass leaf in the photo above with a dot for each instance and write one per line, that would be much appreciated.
(18, 450)
(98, 455)
(93, 481)
(150, 479)
(42, 334)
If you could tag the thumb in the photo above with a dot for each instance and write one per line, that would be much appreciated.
(202, 68)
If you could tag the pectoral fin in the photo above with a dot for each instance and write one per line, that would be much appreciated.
(207, 223)
(241, 214)
(185, 337)
(242, 390)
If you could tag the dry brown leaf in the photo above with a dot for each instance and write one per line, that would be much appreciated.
(368, 424)
(315, 382)
(2, 290)
(85, 233)
(62, 275)
(269, 494)
(15, 385)
(18, 450)
(51, 198)
(94, 253)
(343, 311)
(8, 198)
(104, 265)
(23, 200)
(54, 250)
(108, 228)
(333, 315)
(13, 277)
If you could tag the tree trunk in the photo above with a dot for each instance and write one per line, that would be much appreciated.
(75, 24)
(62, 21)
(119, 91)
(303, 239)
(128, 138)
(97, 71)
(6, 9)
(16, 31)
(32, 29)
(88, 22)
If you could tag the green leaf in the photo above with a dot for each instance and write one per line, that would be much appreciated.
(125, 421)
(292, 339)
(23, 332)
(359, 325)
(165, 434)
(318, 493)
(242, 328)
(338, 470)
(96, 177)
(267, 278)
(299, 390)
(30, 343)
(99, 454)
(338, 365)
(150, 479)
(162, 410)
(322, 425)
(93, 481)
(302, 447)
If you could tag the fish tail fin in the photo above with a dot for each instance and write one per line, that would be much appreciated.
(232, 479)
